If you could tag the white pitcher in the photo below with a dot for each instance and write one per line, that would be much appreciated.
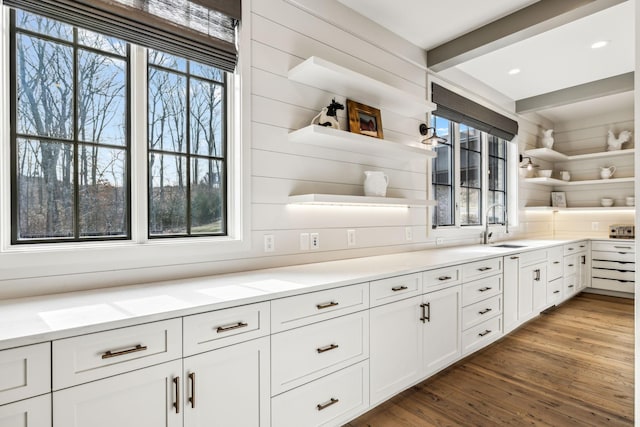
(606, 173)
(375, 183)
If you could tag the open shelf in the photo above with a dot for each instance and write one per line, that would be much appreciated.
(337, 79)
(560, 183)
(555, 156)
(582, 208)
(346, 141)
(343, 200)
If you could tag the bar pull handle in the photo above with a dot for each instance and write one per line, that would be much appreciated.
(109, 354)
(228, 328)
(176, 404)
(332, 401)
(583, 259)
(570, 286)
(444, 278)
(622, 247)
(556, 292)
(486, 331)
(485, 289)
(570, 265)
(556, 262)
(192, 380)
(326, 305)
(426, 312)
(484, 268)
(514, 257)
(623, 253)
(327, 348)
(485, 311)
(399, 288)
(570, 249)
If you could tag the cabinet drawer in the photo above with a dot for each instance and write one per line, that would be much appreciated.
(481, 289)
(481, 311)
(34, 412)
(573, 248)
(613, 285)
(90, 357)
(329, 401)
(25, 372)
(481, 335)
(533, 257)
(554, 268)
(613, 256)
(478, 269)
(570, 285)
(613, 246)
(554, 292)
(304, 354)
(395, 288)
(602, 273)
(614, 265)
(209, 331)
(570, 264)
(442, 277)
(300, 310)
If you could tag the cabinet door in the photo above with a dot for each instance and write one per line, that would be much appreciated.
(540, 287)
(442, 328)
(510, 289)
(584, 271)
(149, 397)
(396, 347)
(34, 412)
(525, 293)
(228, 386)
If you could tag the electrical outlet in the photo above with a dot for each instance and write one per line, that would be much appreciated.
(595, 226)
(439, 241)
(351, 237)
(315, 241)
(304, 241)
(408, 233)
(269, 243)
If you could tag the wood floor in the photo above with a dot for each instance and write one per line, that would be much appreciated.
(570, 367)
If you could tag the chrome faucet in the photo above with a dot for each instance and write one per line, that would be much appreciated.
(486, 235)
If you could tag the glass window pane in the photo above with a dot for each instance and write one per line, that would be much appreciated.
(206, 196)
(99, 42)
(102, 98)
(102, 183)
(207, 102)
(167, 194)
(443, 128)
(44, 87)
(464, 168)
(469, 138)
(167, 61)
(474, 207)
(473, 170)
(206, 71)
(45, 190)
(167, 111)
(41, 25)
(441, 173)
(443, 214)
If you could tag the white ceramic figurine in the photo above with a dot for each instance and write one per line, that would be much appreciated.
(614, 143)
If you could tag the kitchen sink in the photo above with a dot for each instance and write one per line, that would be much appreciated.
(506, 245)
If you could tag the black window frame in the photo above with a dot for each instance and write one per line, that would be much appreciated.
(450, 146)
(463, 185)
(491, 190)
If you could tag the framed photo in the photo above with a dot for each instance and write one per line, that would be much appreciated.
(364, 120)
(558, 199)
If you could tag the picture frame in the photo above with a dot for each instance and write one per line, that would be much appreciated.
(558, 199)
(364, 120)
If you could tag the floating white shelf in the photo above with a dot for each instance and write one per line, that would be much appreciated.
(346, 141)
(555, 156)
(339, 199)
(560, 183)
(337, 79)
(582, 208)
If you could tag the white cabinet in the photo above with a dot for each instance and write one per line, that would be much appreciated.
(613, 266)
(25, 372)
(532, 290)
(396, 347)
(228, 386)
(510, 292)
(441, 318)
(149, 397)
(34, 412)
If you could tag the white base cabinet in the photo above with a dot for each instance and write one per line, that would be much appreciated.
(442, 328)
(34, 412)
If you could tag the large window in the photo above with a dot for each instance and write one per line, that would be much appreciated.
(470, 176)
(442, 173)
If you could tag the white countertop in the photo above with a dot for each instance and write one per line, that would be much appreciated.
(30, 320)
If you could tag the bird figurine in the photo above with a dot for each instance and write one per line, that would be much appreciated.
(547, 139)
(613, 143)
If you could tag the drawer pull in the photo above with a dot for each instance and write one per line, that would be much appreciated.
(484, 268)
(109, 354)
(325, 405)
(399, 288)
(622, 247)
(228, 328)
(570, 265)
(514, 257)
(326, 305)
(536, 274)
(570, 286)
(569, 249)
(486, 331)
(485, 311)
(426, 312)
(623, 253)
(556, 292)
(583, 259)
(444, 278)
(582, 246)
(327, 348)
(625, 281)
(485, 289)
(192, 399)
(556, 262)
(176, 404)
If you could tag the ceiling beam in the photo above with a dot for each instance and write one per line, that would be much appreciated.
(583, 92)
(538, 18)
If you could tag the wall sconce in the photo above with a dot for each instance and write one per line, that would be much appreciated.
(432, 140)
(528, 166)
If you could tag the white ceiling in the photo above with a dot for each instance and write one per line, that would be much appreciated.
(621, 102)
(554, 60)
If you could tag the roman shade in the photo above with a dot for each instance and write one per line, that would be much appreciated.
(462, 110)
(200, 30)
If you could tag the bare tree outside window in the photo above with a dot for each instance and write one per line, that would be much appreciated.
(70, 139)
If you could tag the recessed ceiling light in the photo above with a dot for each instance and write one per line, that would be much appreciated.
(514, 71)
(599, 44)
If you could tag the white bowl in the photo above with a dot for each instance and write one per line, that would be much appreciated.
(606, 202)
(545, 173)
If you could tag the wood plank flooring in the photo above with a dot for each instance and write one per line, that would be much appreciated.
(570, 367)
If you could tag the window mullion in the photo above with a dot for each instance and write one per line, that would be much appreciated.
(139, 153)
(456, 171)
(484, 168)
